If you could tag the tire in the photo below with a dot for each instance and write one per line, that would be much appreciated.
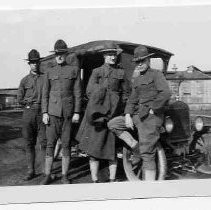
(133, 172)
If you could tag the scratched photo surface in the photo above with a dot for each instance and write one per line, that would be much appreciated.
(177, 44)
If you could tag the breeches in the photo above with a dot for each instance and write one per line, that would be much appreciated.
(148, 132)
(58, 127)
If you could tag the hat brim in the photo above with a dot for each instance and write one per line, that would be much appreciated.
(59, 51)
(142, 58)
(117, 51)
(26, 59)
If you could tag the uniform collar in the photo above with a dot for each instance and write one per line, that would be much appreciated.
(143, 73)
(34, 75)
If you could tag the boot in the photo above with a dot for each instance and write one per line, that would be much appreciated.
(128, 139)
(133, 144)
(30, 157)
(48, 165)
(94, 167)
(65, 179)
(65, 167)
(149, 175)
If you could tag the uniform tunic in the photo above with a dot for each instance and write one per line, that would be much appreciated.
(29, 95)
(110, 84)
(149, 91)
(61, 98)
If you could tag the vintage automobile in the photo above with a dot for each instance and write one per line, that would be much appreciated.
(182, 129)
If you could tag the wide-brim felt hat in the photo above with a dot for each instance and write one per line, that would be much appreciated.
(110, 48)
(141, 53)
(33, 56)
(60, 47)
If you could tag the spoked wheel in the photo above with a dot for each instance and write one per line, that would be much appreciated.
(204, 145)
(133, 168)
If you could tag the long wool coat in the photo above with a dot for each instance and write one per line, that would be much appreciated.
(107, 90)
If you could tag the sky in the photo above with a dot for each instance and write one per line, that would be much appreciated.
(182, 30)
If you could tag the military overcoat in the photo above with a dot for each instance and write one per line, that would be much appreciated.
(111, 85)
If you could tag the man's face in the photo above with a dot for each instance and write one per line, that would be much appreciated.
(34, 66)
(143, 65)
(110, 58)
(60, 58)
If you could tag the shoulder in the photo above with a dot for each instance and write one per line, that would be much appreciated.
(25, 79)
(155, 72)
(51, 64)
(72, 59)
(98, 70)
(120, 71)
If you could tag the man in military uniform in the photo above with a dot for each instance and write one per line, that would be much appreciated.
(108, 91)
(29, 95)
(61, 104)
(145, 106)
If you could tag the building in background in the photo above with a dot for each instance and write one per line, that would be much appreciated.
(192, 87)
(8, 99)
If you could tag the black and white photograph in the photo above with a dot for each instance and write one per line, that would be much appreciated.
(105, 98)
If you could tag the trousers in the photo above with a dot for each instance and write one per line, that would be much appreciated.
(32, 128)
(148, 134)
(58, 127)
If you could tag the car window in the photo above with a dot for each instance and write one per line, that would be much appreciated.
(157, 63)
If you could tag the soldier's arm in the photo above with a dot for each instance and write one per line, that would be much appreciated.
(132, 101)
(45, 93)
(164, 93)
(77, 92)
(93, 83)
(21, 93)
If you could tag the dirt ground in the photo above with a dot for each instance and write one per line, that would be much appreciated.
(13, 166)
(12, 158)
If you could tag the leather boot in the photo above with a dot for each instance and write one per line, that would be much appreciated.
(149, 175)
(48, 165)
(133, 144)
(128, 139)
(30, 158)
(65, 168)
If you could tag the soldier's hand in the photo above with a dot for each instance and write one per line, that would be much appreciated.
(128, 121)
(151, 111)
(45, 118)
(75, 118)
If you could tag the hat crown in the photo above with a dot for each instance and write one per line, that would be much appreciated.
(60, 45)
(110, 45)
(33, 55)
(140, 51)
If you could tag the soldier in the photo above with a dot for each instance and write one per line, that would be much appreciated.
(107, 91)
(29, 95)
(61, 104)
(144, 108)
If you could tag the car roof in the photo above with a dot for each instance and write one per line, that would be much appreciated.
(93, 46)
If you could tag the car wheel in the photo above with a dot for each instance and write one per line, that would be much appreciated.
(133, 171)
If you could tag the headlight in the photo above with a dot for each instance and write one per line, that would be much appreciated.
(199, 124)
(169, 125)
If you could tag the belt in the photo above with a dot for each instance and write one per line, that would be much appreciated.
(36, 106)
